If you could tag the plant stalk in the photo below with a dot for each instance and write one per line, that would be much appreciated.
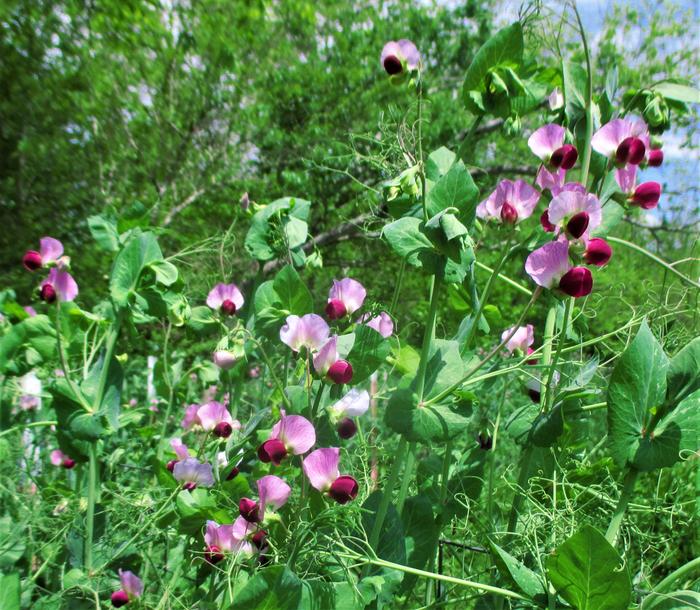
(628, 488)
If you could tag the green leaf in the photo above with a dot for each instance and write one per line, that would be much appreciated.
(391, 545)
(503, 49)
(408, 241)
(676, 600)
(12, 544)
(275, 588)
(10, 591)
(292, 294)
(369, 351)
(518, 574)
(678, 92)
(683, 376)
(637, 385)
(575, 84)
(421, 536)
(104, 232)
(141, 250)
(74, 421)
(279, 226)
(455, 189)
(166, 273)
(589, 574)
(111, 398)
(202, 319)
(438, 163)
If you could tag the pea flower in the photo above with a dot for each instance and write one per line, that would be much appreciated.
(273, 492)
(549, 267)
(382, 323)
(646, 195)
(224, 359)
(191, 419)
(50, 252)
(328, 364)
(58, 458)
(132, 587)
(192, 473)
(292, 434)
(622, 140)
(547, 143)
(214, 417)
(321, 468)
(353, 404)
(225, 298)
(309, 331)
(655, 157)
(575, 211)
(58, 285)
(510, 203)
(520, 340)
(345, 297)
(598, 252)
(220, 539)
(181, 451)
(400, 56)
(555, 99)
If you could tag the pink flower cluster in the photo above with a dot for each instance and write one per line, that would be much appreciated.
(59, 284)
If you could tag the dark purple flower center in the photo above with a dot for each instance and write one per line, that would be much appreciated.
(598, 252)
(347, 428)
(223, 429)
(340, 372)
(578, 224)
(171, 465)
(259, 539)
(656, 157)
(120, 598)
(647, 195)
(335, 309)
(564, 157)
(534, 395)
(228, 307)
(233, 474)
(68, 463)
(631, 150)
(48, 293)
(189, 486)
(249, 509)
(343, 489)
(32, 260)
(213, 554)
(509, 215)
(393, 65)
(485, 441)
(272, 450)
(577, 282)
(544, 221)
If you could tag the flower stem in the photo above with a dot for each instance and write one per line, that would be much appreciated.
(626, 495)
(666, 583)
(586, 160)
(549, 390)
(428, 336)
(93, 484)
(407, 476)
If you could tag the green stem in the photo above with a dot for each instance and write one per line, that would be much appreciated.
(35, 424)
(506, 279)
(677, 574)
(656, 259)
(548, 389)
(428, 336)
(317, 401)
(586, 160)
(626, 495)
(397, 287)
(93, 484)
(407, 476)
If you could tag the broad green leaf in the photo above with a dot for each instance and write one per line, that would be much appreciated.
(637, 385)
(391, 545)
(445, 367)
(369, 351)
(683, 376)
(292, 294)
(455, 189)
(279, 226)
(202, 319)
(589, 574)
(575, 83)
(421, 535)
(408, 241)
(675, 600)
(104, 232)
(74, 421)
(141, 250)
(678, 92)
(274, 588)
(111, 398)
(518, 573)
(12, 545)
(438, 163)
(166, 273)
(10, 591)
(34, 338)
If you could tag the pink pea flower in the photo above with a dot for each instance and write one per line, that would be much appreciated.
(521, 340)
(510, 203)
(549, 267)
(31, 312)
(225, 298)
(598, 252)
(220, 539)
(399, 56)
(328, 364)
(547, 143)
(191, 419)
(345, 297)
(622, 140)
(192, 473)
(321, 468)
(646, 195)
(224, 359)
(655, 157)
(309, 331)
(132, 587)
(273, 493)
(214, 417)
(576, 212)
(181, 451)
(58, 285)
(382, 323)
(353, 404)
(50, 252)
(555, 99)
(58, 458)
(292, 434)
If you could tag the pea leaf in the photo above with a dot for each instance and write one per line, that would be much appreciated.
(369, 351)
(589, 574)
(104, 232)
(518, 573)
(275, 588)
(684, 372)
(455, 189)
(292, 293)
(140, 251)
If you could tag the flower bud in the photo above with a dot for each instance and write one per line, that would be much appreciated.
(259, 539)
(393, 65)
(485, 441)
(222, 430)
(564, 157)
(171, 465)
(249, 509)
(189, 486)
(544, 221)
(576, 282)
(335, 309)
(233, 474)
(347, 428)
(68, 463)
(228, 307)
(272, 450)
(509, 215)
(631, 150)
(213, 554)
(340, 372)
(32, 260)
(598, 252)
(343, 489)
(656, 158)
(224, 359)
(48, 293)
(647, 195)
(119, 598)
(578, 224)
(534, 395)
